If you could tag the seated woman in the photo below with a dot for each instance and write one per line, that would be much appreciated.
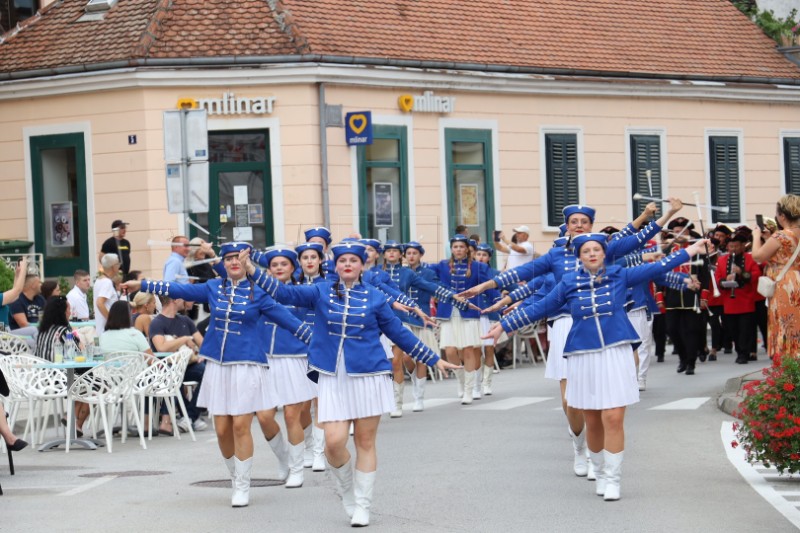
(144, 309)
(14, 443)
(120, 335)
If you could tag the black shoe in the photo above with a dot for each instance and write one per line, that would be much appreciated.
(712, 357)
(681, 368)
(690, 371)
(18, 445)
(753, 357)
(728, 351)
(702, 356)
(740, 361)
(660, 358)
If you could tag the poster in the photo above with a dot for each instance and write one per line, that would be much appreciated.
(240, 194)
(243, 234)
(382, 200)
(255, 213)
(468, 202)
(241, 215)
(61, 224)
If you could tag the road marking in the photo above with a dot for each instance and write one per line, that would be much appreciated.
(774, 496)
(686, 404)
(508, 403)
(83, 488)
(434, 402)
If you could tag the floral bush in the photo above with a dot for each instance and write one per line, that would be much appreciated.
(769, 430)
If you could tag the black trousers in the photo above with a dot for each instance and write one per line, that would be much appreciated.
(744, 326)
(660, 333)
(760, 321)
(719, 335)
(685, 328)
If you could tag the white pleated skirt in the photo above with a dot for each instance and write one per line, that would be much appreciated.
(343, 397)
(557, 337)
(387, 346)
(603, 379)
(289, 380)
(427, 336)
(236, 389)
(486, 325)
(460, 332)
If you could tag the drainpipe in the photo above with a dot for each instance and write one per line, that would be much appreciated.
(323, 158)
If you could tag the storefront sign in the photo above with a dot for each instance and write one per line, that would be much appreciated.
(426, 103)
(382, 200)
(230, 104)
(358, 128)
(61, 224)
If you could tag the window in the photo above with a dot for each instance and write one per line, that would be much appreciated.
(791, 164)
(561, 160)
(469, 181)
(724, 164)
(645, 155)
(383, 185)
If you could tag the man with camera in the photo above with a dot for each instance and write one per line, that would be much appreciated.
(519, 250)
(119, 245)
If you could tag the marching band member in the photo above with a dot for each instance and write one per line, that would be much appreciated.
(236, 383)
(348, 360)
(483, 385)
(601, 374)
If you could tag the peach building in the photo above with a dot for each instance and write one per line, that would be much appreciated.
(488, 114)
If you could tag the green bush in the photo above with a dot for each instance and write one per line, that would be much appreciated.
(6, 275)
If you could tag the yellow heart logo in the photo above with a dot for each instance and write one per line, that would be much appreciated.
(406, 102)
(358, 123)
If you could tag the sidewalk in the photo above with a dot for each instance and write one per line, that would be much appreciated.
(733, 393)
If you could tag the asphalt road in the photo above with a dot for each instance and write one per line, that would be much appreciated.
(501, 464)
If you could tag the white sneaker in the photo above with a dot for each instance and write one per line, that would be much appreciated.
(199, 425)
(183, 424)
(642, 384)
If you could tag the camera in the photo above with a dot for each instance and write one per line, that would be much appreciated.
(497, 233)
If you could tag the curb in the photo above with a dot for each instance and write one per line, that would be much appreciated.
(732, 394)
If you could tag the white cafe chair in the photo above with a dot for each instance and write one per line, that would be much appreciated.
(520, 343)
(162, 382)
(11, 344)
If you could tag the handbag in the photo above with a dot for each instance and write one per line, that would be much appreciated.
(766, 286)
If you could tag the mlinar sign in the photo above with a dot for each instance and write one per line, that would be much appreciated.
(427, 102)
(230, 104)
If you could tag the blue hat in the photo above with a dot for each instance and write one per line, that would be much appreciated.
(575, 209)
(473, 243)
(320, 231)
(234, 248)
(350, 239)
(317, 247)
(280, 251)
(375, 243)
(459, 238)
(562, 230)
(483, 247)
(583, 238)
(561, 241)
(415, 245)
(350, 247)
(393, 245)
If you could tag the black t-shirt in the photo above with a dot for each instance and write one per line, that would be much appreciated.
(31, 308)
(120, 247)
(180, 326)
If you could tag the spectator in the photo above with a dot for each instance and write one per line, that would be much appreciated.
(144, 308)
(29, 305)
(11, 295)
(169, 331)
(105, 292)
(50, 288)
(200, 250)
(119, 335)
(14, 443)
(77, 295)
(174, 269)
(519, 250)
(119, 245)
(777, 252)
(53, 327)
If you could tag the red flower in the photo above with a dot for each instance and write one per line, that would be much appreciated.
(788, 387)
(734, 444)
(763, 407)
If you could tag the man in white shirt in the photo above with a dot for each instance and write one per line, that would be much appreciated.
(77, 295)
(519, 250)
(105, 292)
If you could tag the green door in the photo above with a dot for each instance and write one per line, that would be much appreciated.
(60, 216)
(470, 192)
(240, 195)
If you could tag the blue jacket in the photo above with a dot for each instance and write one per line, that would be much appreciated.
(458, 282)
(597, 305)
(406, 279)
(236, 332)
(350, 322)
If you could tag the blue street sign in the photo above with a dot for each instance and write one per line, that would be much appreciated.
(358, 128)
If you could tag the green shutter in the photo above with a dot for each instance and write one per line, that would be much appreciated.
(724, 153)
(562, 175)
(645, 155)
(791, 164)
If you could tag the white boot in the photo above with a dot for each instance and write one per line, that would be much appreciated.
(231, 464)
(460, 377)
(344, 479)
(295, 479)
(308, 453)
(241, 484)
(469, 383)
(418, 391)
(579, 465)
(476, 387)
(363, 482)
(398, 399)
(281, 450)
(598, 460)
(488, 372)
(590, 476)
(319, 449)
(613, 474)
